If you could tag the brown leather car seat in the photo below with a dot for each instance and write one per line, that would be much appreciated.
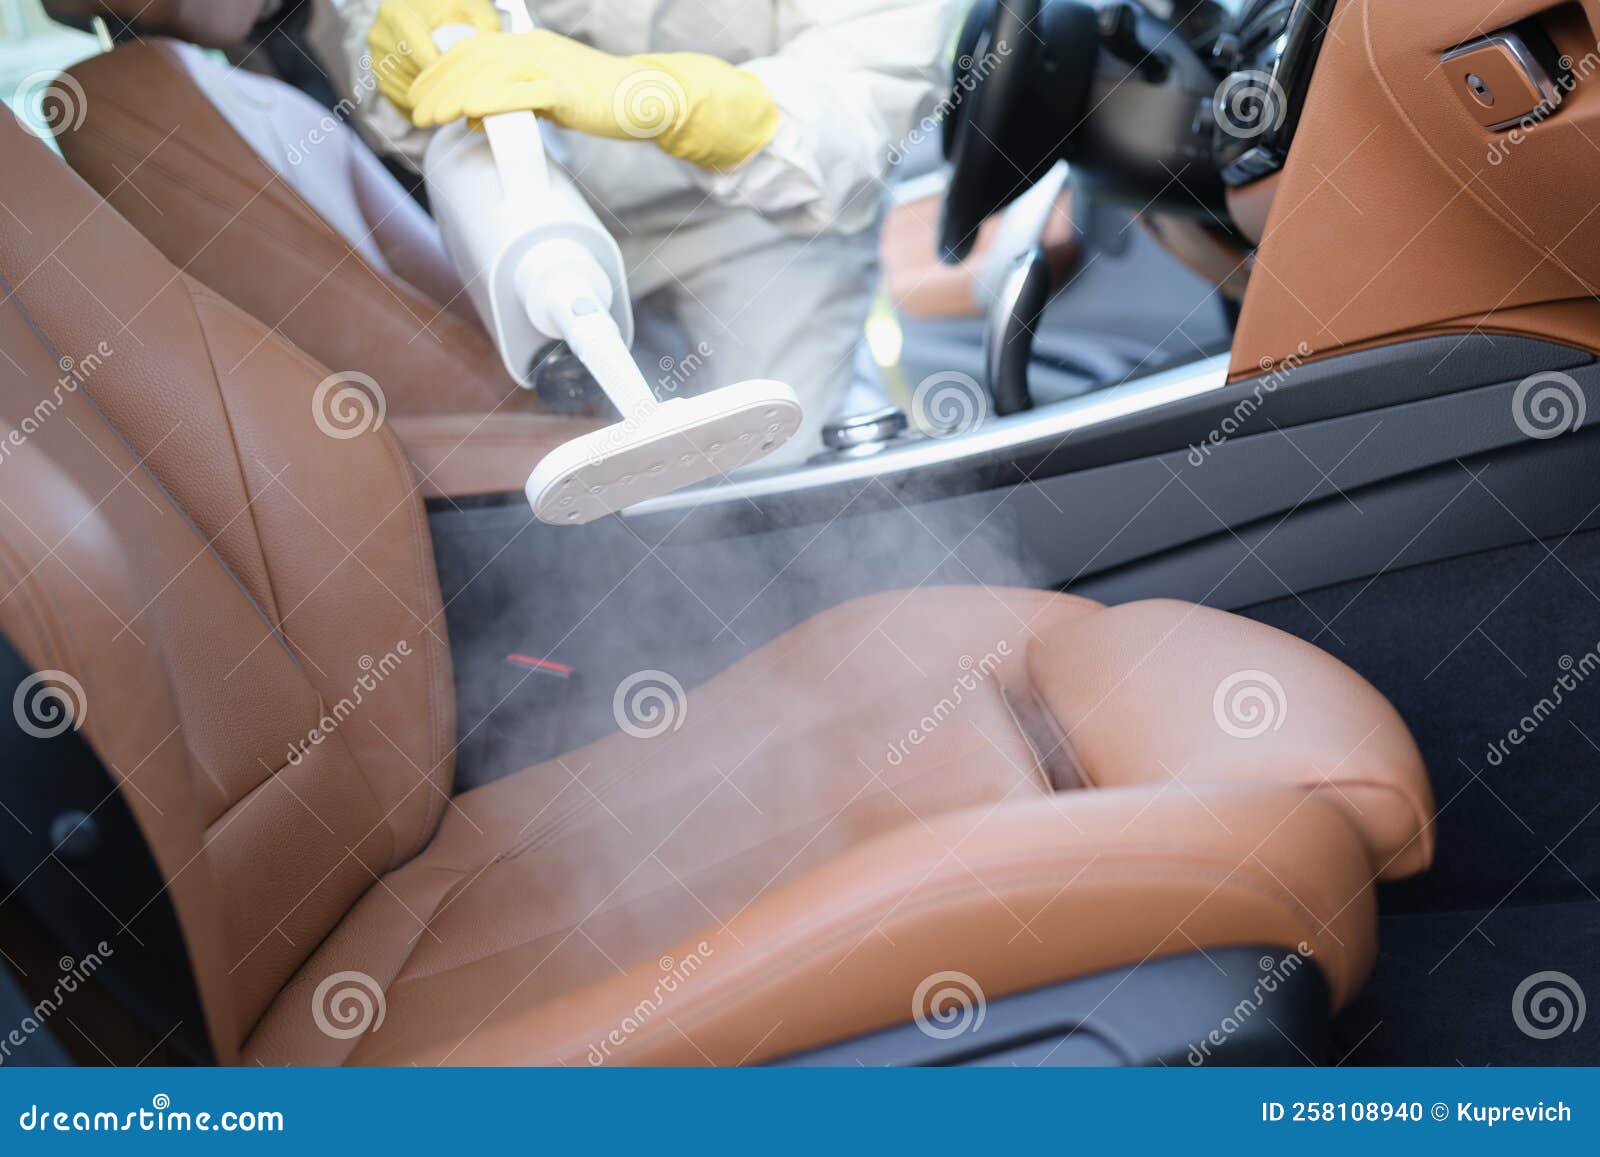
(1017, 785)
(318, 240)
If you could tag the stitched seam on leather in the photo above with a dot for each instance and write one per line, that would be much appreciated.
(196, 301)
(199, 295)
(817, 945)
(402, 467)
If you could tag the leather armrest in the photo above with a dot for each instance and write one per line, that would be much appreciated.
(463, 455)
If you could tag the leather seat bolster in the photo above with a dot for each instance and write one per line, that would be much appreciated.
(1159, 691)
(1015, 897)
(131, 721)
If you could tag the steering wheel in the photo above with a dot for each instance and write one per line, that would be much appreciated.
(1022, 75)
(984, 105)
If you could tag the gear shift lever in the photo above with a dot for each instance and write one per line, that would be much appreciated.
(1008, 333)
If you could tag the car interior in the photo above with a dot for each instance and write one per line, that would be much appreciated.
(1212, 691)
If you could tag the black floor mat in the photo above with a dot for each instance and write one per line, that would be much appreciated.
(1472, 652)
(1445, 991)
(1469, 651)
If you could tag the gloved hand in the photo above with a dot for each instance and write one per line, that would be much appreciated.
(696, 107)
(401, 39)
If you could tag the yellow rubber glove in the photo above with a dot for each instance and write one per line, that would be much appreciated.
(696, 107)
(401, 39)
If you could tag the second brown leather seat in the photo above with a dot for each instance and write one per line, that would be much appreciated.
(274, 201)
(305, 230)
(1016, 785)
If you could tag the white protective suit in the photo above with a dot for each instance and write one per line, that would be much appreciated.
(767, 271)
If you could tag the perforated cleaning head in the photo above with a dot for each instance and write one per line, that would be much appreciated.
(671, 445)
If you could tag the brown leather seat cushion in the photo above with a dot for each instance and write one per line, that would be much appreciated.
(899, 786)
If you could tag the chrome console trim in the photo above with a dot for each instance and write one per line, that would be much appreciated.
(993, 438)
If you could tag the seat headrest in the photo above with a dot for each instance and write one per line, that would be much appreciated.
(214, 23)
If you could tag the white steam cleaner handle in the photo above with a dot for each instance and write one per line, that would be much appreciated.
(559, 280)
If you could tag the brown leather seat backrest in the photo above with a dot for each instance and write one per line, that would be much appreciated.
(245, 591)
(152, 143)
